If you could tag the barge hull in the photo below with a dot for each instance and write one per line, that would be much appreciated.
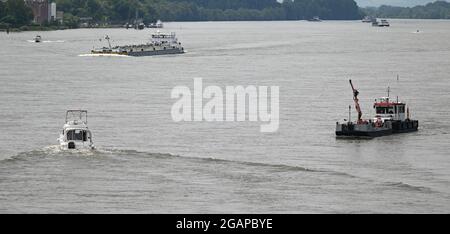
(371, 134)
(395, 127)
(155, 52)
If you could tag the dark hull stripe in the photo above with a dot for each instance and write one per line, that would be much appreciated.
(155, 52)
(398, 127)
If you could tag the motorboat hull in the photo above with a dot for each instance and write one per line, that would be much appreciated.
(75, 145)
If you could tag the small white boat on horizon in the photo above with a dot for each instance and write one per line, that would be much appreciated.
(37, 39)
(315, 19)
(382, 23)
(75, 133)
(368, 19)
(158, 24)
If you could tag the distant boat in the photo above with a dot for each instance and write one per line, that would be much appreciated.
(158, 24)
(315, 19)
(382, 23)
(368, 19)
(38, 39)
(75, 133)
(140, 26)
(160, 44)
(128, 25)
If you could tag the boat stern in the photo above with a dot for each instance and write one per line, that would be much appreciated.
(76, 145)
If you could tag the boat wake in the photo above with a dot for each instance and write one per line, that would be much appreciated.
(54, 151)
(401, 185)
(275, 167)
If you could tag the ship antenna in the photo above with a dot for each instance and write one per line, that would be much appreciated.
(388, 90)
(349, 113)
(109, 43)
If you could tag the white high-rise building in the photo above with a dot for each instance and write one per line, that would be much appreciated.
(53, 11)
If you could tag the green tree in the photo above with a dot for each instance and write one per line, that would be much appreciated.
(16, 13)
(435, 10)
(71, 21)
(121, 11)
(2, 10)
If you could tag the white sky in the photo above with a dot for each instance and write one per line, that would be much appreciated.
(365, 3)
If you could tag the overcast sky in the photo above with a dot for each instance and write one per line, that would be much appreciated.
(364, 3)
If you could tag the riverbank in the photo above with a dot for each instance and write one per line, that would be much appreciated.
(49, 28)
(33, 28)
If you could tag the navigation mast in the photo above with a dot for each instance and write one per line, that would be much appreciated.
(109, 43)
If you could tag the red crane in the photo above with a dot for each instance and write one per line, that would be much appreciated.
(356, 100)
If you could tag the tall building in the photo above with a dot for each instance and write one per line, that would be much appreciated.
(43, 11)
(52, 12)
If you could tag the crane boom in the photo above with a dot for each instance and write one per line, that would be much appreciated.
(356, 100)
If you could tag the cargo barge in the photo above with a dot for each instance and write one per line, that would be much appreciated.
(160, 44)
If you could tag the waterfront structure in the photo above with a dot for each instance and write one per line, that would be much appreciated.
(43, 10)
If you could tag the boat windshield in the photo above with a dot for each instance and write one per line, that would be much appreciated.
(78, 135)
(77, 115)
(385, 110)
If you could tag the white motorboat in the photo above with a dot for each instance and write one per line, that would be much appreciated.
(383, 23)
(75, 133)
(158, 24)
(38, 39)
(315, 19)
(368, 19)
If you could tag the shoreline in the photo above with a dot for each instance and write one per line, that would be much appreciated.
(28, 28)
(48, 28)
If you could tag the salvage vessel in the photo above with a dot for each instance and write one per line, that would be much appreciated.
(391, 117)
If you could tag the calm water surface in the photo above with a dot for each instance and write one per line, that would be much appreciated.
(146, 163)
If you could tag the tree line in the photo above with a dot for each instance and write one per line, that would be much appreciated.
(15, 12)
(435, 10)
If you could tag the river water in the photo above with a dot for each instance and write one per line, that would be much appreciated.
(147, 163)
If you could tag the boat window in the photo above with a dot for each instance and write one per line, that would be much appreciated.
(76, 135)
(381, 110)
